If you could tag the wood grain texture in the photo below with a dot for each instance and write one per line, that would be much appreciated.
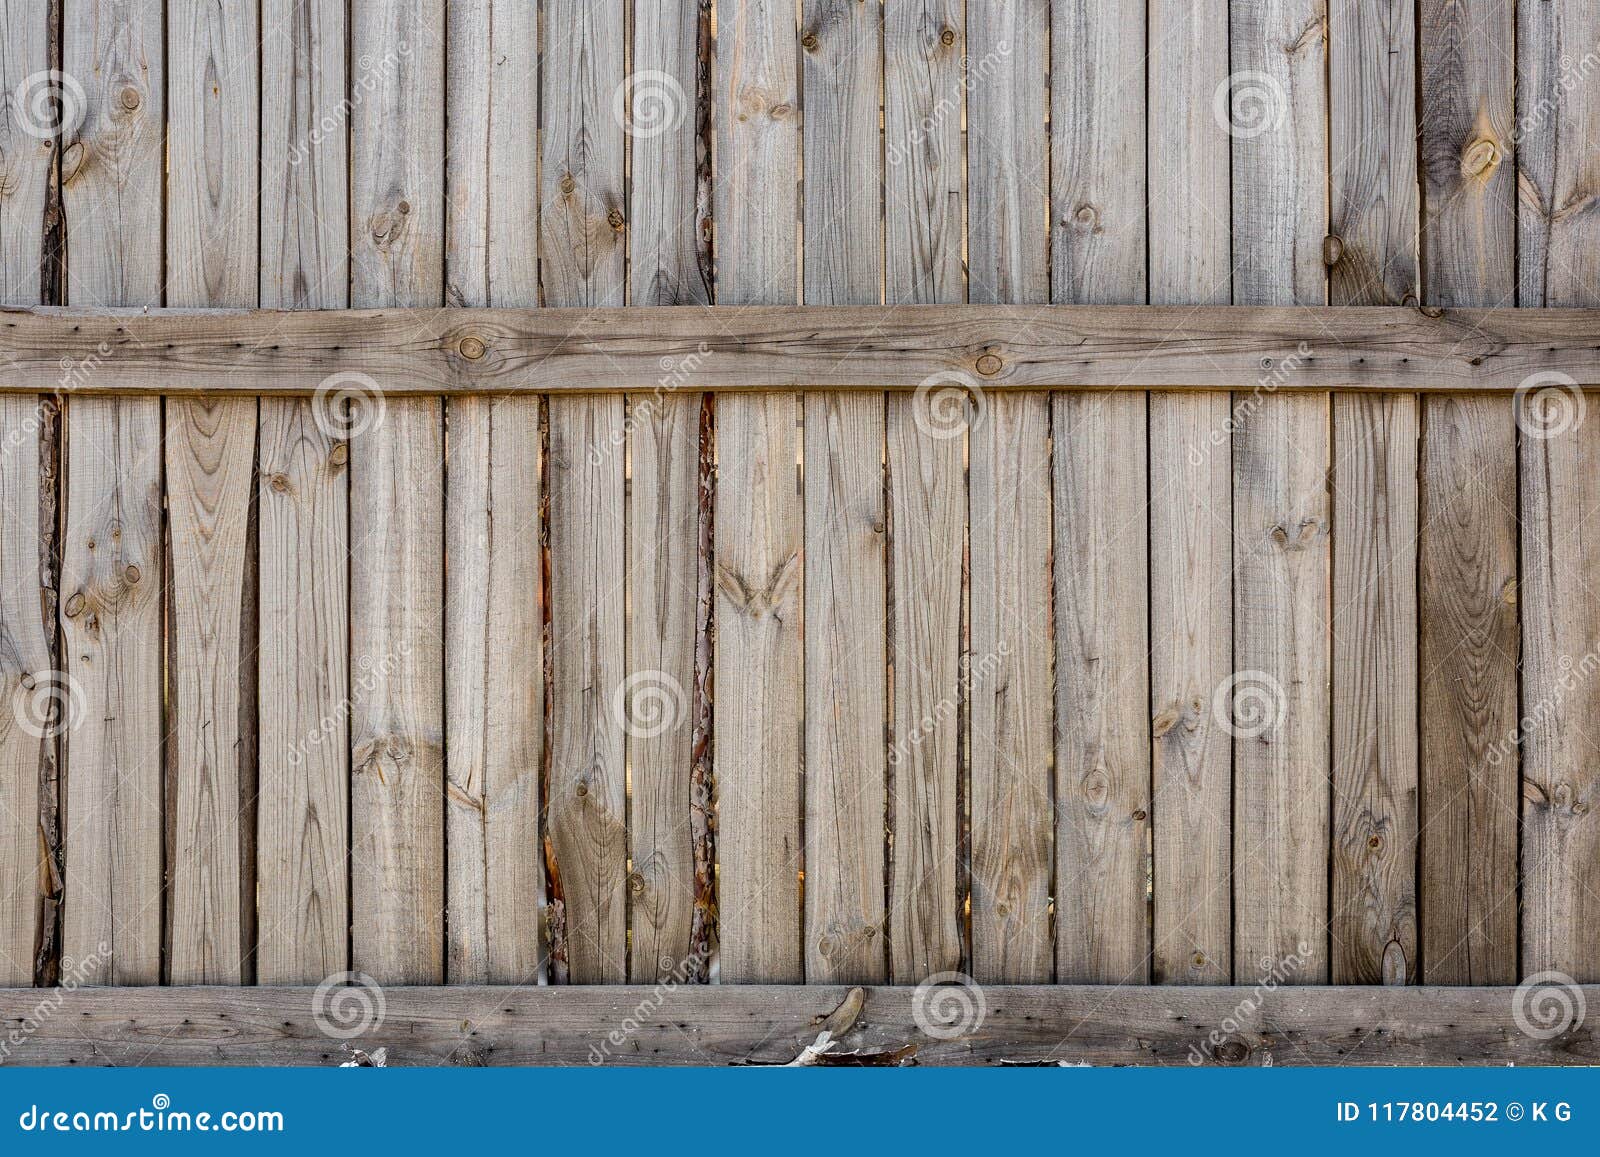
(1372, 77)
(581, 264)
(1468, 547)
(1556, 112)
(1191, 594)
(924, 101)
(1102, 674)
(112, 553)
(846, 535)
(758, 512)
(29, 679)
(494, 621)
(302, 502)
(1009, 666)
(669, 632)
(721, 1025)
(397, 511)
(213, 176)
(1281, 455)
(1101, 479)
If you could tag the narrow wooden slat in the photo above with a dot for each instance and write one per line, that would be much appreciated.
(1101, 481)
(764, 349)
(213, 94)
(1008, 674)
(721, 1025)
(1468, 507)
(397, 511)
(758, 512)
(1374, 197)
(669, 838)
(1191, 633)
(846, 541)
(111, 546)
(1561, 631)
(924, 42)
(1281, 455)
(302, 497)
(494, 627)
(581, 263)
(29, 681)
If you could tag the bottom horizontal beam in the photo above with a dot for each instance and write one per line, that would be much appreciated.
(723, 1025)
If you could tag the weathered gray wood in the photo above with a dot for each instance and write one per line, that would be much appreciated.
(28, 674)
(846, 536)
(1374, 262)
(1191, 599)
(1557, 103)
(815, 347)
(1280, 516)
(1467, 562)
(669, 833)
(302, 497)
(1102, 669)
(397, 509)
(494, 625)
(759, 580)
(213, 176)
(112, 555)
(1008, 682)
(722, 1025)
(927, 435)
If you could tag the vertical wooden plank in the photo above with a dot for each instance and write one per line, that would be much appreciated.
(758, 517)
(112, 558)
(494, 625)
(1191, 597)
(1008, 681)
(846, 584)
(213, 93)
(1468, 504)
(670, 602)
(39, 700)
(397, 510)
(924, 43)
(581, 260)
(302, 496)
(1557, 109)
(1374, 262)
(1097, 92)
(1278, 121)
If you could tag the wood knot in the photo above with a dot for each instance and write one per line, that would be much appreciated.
(1087, 218)
(1139, 815)
(75, 605)
(339, 455)
(947, 37)
(130, 98)
(279, 483)
(615, 219)
(1332, 250)
(1233, 1052)
(568, 184)
(473, 347)
(810, 42)
(1479, 157)
(990, 364)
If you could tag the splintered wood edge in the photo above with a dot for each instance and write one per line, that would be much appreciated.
(768, 1024)
(351, 353)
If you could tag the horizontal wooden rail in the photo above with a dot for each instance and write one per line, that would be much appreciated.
(453, 351)
(772, 1024)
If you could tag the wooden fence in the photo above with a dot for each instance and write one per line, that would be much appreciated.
(395, 599)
